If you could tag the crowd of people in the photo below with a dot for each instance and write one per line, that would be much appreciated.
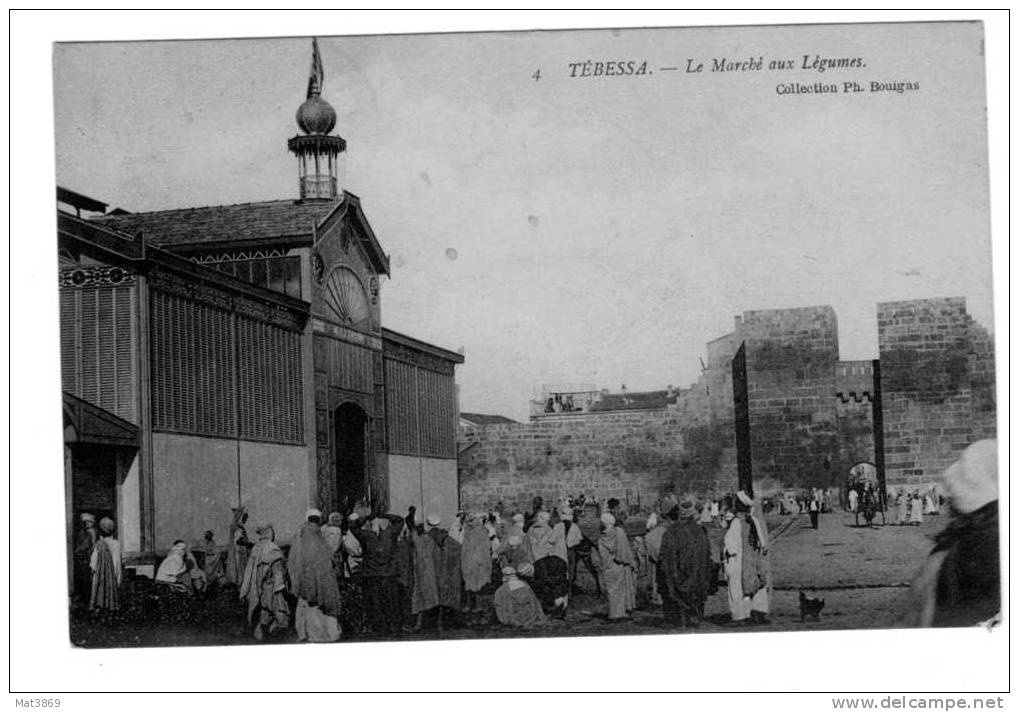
(378, 573)
(382, 574)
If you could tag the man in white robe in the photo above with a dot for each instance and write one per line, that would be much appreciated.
(747, 569)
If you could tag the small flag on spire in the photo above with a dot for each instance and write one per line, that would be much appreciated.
(318, 76)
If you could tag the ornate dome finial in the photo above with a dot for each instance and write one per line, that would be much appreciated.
(316, 116)
(317, 151)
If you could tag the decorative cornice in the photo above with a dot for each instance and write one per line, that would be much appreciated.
(82, 277)
(271, 314)
(195, 291)
(238, 255)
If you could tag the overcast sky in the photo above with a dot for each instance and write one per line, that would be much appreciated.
(597, 229)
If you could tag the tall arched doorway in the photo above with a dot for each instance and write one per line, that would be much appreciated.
(350, 443)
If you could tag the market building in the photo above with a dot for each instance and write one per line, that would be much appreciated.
(234, 355)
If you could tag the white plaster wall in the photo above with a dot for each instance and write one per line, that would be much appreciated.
(196, 484)
(275, 487)
(129, 510)
(414, 478)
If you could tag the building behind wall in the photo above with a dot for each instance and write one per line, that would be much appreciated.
(242, 349)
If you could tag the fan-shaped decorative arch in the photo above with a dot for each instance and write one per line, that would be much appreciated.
(346, 299)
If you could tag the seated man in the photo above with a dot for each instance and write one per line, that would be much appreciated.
(515, 602)
(180, 570)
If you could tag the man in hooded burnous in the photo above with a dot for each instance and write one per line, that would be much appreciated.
(476, 558)
(85, 541)
(437, 576)
(264, 585)
(237, 547)
(546, 543)
(515, 602)
(313, 583)
(960, 583)
(685, 567)
(106, 569)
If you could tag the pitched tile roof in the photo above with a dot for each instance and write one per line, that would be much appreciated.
(221, 223)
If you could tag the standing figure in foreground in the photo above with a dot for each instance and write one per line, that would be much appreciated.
(616, 566)
(685, 567)
(380, 571)
(350, 557)
(960, 583)
(86, 539)
(215, 572)
(653, 541)
(868, 505)
(547, 546)
(915, 509)
(573, 538)
(757, 544)
(237, 547)
(313, 583)
(106, 569)
(436, 573)
(745, 568)
(264, 585)
(476, 559)
(903, 507)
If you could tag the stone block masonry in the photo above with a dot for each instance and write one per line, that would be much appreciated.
(937, 368)
(811, 416)
(632, 456)
(791, 356)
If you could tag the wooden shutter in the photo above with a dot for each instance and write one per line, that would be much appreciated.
(97, 342)
(192, 372)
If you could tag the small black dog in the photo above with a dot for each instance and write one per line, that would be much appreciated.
(810, 607)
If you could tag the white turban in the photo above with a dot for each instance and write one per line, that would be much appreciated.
(313, 513)
(518, 518)
(433, 520)
(652, 521)
(608, 520)
(972, 482)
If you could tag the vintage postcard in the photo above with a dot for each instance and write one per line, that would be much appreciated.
(526, 334)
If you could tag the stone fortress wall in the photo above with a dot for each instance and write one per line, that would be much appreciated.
(811, 416)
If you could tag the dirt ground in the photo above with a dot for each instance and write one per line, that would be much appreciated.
(862, 573)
